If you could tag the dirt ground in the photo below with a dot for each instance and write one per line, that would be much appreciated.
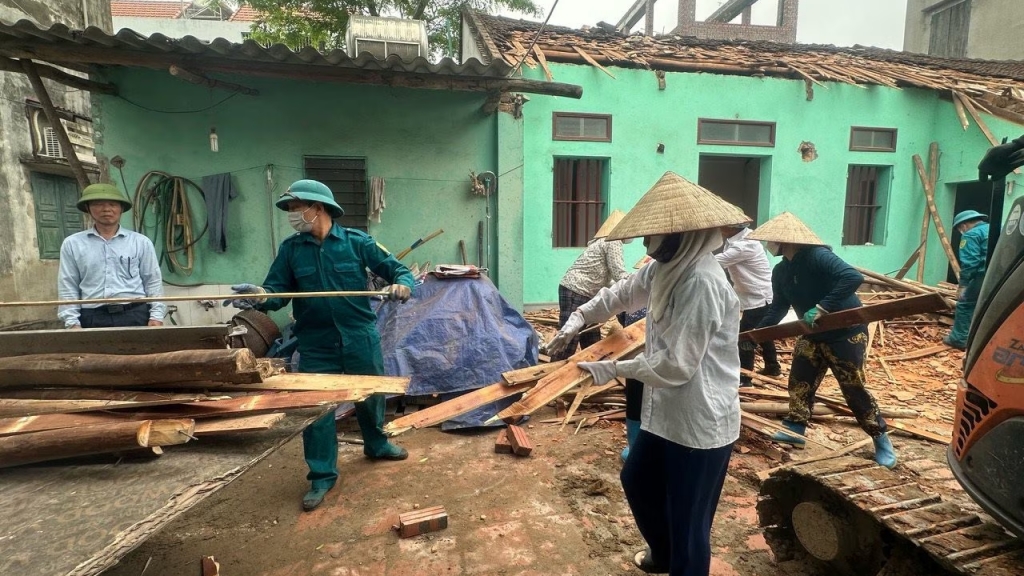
(559, 512)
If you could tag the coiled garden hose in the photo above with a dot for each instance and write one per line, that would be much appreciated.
(166, 197)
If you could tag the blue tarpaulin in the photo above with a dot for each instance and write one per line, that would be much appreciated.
(454, 336)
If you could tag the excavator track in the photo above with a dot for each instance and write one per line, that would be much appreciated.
(854, 517)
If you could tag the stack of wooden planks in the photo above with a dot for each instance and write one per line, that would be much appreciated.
(62, 405)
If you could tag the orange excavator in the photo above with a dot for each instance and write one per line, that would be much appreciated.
(852, 517)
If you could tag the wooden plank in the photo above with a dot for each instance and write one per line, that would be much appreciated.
(21, 407)
(127, 340)
(865, 314)
(929, 195)
(29, 424)
(925, 223)
(918, 432)
(299, 382)
(539, 54)
(36, 447)
(619, 345)
(914, 257)
(135, 371)
(257, 404)
(922, 353)
(590, 60)
(531, 373)
(782, 408)
(853, 447)
(960, 112)
(222, 426)
(776, 427)
(70, 155)
(455, 407)
(521, 445)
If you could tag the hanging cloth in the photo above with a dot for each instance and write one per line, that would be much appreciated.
(218, 190)
(377, 204)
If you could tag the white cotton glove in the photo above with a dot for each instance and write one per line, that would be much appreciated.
(569, 331)
(603, 371)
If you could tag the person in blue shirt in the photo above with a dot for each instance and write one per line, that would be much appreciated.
(335, 335)
(108, 261)
(973, 253)
(815, 282)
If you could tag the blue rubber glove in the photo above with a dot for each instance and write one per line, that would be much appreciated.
(812, 315)
(245, 303)
(603, 371)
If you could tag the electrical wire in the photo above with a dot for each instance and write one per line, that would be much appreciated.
(534, 43)
(210, 107)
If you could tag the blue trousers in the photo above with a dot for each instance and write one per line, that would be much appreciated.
(965, 312)
(320, 439)
(673, 493)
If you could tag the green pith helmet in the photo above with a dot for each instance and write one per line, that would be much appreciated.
(311, 191)
(968, 216)
(102, 192)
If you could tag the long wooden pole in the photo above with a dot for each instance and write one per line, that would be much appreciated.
(351, 294)
(929, 194)
(58, 129)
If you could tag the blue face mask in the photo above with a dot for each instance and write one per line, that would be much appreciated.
(297, 220)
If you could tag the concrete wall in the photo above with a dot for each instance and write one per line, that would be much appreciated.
(995, 32)
(644, 116)
(423, 143)
(23, 276)
(180, 27)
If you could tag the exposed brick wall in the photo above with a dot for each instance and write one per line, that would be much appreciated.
(783, 31)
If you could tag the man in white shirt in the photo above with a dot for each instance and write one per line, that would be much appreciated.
(751, 275)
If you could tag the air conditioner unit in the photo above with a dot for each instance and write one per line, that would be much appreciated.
(383, 37)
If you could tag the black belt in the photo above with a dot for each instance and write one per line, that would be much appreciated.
(119, 308)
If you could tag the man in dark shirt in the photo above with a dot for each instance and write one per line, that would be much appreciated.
(814, 281)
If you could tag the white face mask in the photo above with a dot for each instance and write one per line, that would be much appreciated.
(773, 247)
(297, 220)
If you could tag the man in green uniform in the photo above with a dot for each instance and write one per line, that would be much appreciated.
(973, 227)
(335, 335)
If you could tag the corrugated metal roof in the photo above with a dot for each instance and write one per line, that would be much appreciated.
(60, 43)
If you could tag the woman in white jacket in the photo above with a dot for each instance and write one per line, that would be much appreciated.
(690, 368)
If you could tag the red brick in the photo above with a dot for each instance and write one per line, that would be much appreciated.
(422, 521)
(521, 445)
(501, 443)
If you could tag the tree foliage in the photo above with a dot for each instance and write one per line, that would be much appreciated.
(322, 23)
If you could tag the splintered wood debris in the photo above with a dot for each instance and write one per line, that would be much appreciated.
(989, 86)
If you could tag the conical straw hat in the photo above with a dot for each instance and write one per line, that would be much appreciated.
(613, 220)
(786, 229)
(675, 205)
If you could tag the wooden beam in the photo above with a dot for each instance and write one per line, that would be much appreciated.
(125, 340)
(235, 296)
(922, 353)
(67, 401)
(257, 404)
(782, 408)
(57, 75)
(199, 79)
(316, 72)
(914, 256)
(590, 60)
(835, 320)
(296, 382)
(918, 432)
(929, 195)
(438, 413)
(222, 426)
(632, 16)
(619, 345)
(729, 11)
(531, 373)
(58, 128)
(764, 474)
(123, 371)
(88, 440)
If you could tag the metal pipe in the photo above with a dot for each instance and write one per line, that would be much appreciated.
(149, 299)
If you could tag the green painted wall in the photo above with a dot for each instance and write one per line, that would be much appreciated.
(644, 116)
(423, 143)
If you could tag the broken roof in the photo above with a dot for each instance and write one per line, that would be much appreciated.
(85, 49)
(992, 86)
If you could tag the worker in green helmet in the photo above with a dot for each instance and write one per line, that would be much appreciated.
(973, 253)
(335, 335)
(108, 261)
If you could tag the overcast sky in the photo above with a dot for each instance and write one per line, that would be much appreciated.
(843, 23)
